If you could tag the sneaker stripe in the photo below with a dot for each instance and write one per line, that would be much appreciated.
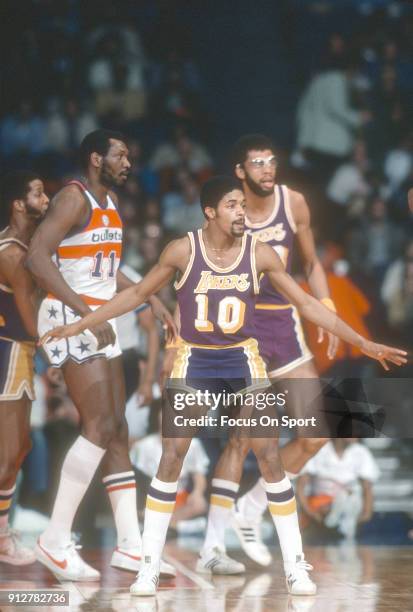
(61, 564)
(135, 558)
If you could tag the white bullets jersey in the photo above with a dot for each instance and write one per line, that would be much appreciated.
(89, 259)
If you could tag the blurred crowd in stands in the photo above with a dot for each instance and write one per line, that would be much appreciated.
(75, 66)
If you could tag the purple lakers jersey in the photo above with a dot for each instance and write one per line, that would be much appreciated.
(217, 305)
(277, 231)
(11, 323)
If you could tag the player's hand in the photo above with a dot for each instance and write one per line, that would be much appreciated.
(333, 342)
(167, 365)
(62, 331)
(104, 334)
(160, 312)
(383, 353)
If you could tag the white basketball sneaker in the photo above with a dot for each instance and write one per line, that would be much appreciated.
(65, 562)
(130, 560)
(147, 581)
(217, 562)
(249, 534)
(297, 578)
(12, 550)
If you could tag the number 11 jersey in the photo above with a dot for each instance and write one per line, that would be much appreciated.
(89, 258)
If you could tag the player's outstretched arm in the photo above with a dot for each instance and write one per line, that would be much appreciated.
(313, 310)
(158, 309)
(314, 271)
(173, 258)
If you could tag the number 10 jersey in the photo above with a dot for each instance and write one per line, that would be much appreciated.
(217, 305)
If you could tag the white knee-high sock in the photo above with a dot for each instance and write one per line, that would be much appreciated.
(283, 509)
(121, 489)
(223, 494)
(78, 469)
(253, 503)
(160, 504)
(6, 498)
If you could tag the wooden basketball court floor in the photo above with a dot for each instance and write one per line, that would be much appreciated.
(349, 577)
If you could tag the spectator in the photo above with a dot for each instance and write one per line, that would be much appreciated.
(327, 123)
(22, 132)
(351, 178)
(353, 307)
(181, 209)
(389, 115)
(65, 129)
(148, 178)
(398, 164)
(376, 241)
(183, 152)
(117, 80)
(335, 487)
(397, 293)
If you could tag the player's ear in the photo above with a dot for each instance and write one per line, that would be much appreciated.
(210, 212)
(239, 172)
(19, 206)
(96, 160)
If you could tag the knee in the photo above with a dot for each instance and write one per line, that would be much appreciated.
(268, 454)
(311, 446)
(101, 431)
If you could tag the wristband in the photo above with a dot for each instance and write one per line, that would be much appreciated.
(328, 303)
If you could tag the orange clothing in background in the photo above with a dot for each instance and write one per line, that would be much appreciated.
(352, 306)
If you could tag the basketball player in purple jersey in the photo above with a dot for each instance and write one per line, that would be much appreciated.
(23, 195)
(280, 217)
(219, 267)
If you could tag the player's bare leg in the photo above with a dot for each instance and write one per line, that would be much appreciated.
(120, 484)
(160, 504)
(294, 455)
(89, 385)
(224, 489)
(283, 509)
(14, 446)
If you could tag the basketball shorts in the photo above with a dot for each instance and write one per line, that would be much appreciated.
(80, 348)
(281, 339)
(236, 369)
(16, 369)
